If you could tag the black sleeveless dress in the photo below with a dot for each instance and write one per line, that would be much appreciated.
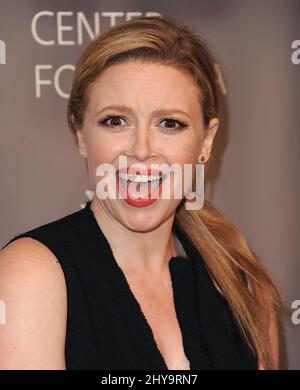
(106, 328)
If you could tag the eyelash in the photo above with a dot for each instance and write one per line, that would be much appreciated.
(181, 124)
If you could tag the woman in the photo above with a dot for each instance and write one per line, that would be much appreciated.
(136, 283)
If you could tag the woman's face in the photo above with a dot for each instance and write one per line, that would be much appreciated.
(142, 134)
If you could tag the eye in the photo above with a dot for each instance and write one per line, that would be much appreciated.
(115, 121)
(172, 123)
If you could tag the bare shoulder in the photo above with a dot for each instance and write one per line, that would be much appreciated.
(33, 294)
(31, 263)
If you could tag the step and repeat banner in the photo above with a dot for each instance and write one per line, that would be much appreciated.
(254, 178)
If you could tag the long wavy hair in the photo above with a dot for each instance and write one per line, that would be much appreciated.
(236, 271)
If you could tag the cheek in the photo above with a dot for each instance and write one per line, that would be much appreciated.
(99, 152)
(182, 153)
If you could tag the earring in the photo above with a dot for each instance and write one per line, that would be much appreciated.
(201, 159)
(82, 150)
(198, 203)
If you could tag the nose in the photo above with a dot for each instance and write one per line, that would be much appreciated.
(141, 143)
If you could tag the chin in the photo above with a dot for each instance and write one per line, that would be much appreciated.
(142, 222)
(143, 219)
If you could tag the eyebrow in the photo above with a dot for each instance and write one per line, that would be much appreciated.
(130, 110)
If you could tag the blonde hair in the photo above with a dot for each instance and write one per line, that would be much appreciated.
(236, 271)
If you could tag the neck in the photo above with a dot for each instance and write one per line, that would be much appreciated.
(142, 252)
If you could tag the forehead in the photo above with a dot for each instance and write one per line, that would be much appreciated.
(145, 86)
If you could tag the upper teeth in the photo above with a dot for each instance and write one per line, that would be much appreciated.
(138, 178)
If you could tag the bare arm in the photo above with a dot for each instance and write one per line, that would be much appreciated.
(32, 287)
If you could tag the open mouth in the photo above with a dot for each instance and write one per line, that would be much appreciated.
(140, 187)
